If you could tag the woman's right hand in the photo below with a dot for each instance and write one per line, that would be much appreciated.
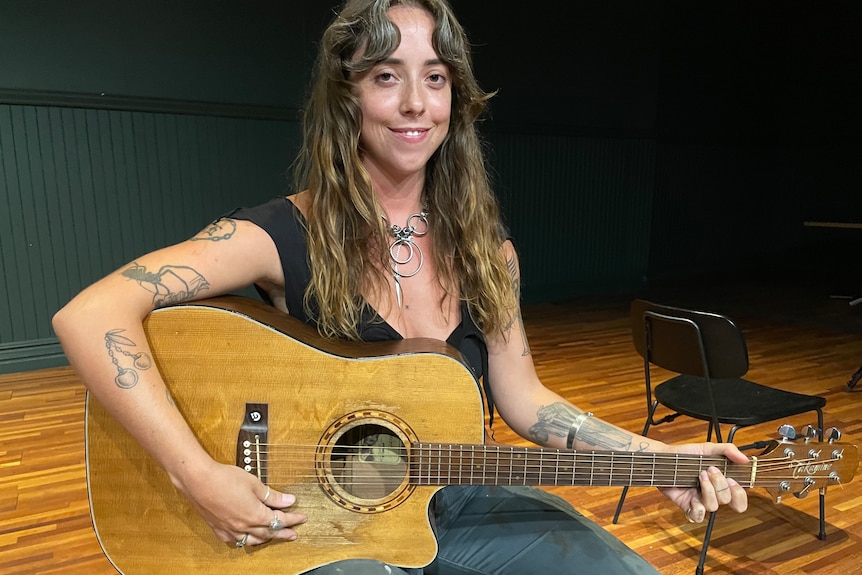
(238, 507)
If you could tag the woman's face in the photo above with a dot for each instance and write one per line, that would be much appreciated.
(406, 101)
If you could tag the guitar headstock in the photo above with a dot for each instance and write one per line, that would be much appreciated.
(800, 466)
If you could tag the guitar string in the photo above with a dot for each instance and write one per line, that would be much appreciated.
(446, 451)
(522, 470)
(563, 480)
(564, 477)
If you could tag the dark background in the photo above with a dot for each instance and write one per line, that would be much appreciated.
(630, 141)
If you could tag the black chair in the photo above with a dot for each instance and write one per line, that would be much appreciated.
(708, 353)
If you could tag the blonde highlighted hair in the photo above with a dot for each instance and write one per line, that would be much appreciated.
(345, 230)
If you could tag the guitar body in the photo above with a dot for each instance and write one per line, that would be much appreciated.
(221, 355)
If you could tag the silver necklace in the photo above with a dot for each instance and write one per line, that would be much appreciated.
(402, 240)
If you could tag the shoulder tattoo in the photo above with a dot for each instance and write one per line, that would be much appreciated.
(217, 231)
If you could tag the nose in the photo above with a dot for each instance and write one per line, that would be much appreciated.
(412, 102)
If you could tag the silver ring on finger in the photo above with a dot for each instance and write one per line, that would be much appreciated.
(276, 524)
(688, 515)
(241, 543)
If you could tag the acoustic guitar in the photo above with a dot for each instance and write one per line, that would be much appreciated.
(363, 435)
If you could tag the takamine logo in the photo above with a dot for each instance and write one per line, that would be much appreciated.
(808, 467)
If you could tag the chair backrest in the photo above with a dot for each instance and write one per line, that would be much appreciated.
(683, 340)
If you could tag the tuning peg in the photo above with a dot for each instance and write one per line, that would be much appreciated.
(804, 492)
(787, 431)
(833, 434)
(809, 432)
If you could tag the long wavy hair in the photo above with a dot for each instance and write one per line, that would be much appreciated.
(347, 237)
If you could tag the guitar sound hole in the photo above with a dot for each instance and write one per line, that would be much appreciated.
(362, 461)
(369, 462)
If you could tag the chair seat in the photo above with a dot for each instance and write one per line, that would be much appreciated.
(738, 401)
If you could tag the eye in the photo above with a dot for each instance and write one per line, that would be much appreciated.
(438, 79)
(384, 78)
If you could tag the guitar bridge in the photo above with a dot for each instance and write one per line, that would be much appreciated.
(251, 452)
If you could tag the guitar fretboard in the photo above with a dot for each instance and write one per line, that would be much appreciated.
(455, 464)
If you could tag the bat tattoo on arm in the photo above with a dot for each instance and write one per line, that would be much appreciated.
(169, 285)
(557, 419)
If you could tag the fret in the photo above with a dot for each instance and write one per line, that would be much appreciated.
(449, 464)
(557, 469)
(569, 467)
(611, 469)
(540, 479)
(484, 466)
(475, 464)
(525, 471)
(652, 472)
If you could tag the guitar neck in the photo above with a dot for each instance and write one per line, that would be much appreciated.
(455, 464)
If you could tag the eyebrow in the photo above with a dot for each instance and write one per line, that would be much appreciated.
(398, 61)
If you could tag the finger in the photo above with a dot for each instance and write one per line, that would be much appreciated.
(243, 540)
(721, 485)
(696, 512)
(708, 497)
(739, 496)
(688, 515)
(276, 499)
(281, 525)
(261, 535)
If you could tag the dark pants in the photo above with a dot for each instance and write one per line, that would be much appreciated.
(511, 531)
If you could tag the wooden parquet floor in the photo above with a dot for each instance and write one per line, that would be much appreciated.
(799, 339)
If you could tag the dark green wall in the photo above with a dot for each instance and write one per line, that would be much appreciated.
(85, 191)
(629, 140)
(227, 51)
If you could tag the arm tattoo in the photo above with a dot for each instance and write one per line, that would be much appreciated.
(171, 284)
(217, 231)
(516, 282)
(556, 419)
(127, 377)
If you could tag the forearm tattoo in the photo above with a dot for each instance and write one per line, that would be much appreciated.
(516, 283)
(217, 231)
(170, 285)
(556, 419)
(127, 377)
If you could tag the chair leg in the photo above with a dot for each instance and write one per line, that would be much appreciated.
(822, 534)
(711, 523)
(622, 500)
(620, 504)
(705, 547)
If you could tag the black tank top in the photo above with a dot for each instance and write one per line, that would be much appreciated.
(284, 223)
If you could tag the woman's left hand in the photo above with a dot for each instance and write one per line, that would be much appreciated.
(715, 489)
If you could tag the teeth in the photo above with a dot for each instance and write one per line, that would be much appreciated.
(412, 132)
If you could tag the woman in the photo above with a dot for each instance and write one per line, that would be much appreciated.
(396, 234)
